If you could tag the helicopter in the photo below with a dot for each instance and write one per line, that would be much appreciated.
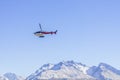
(42, 33)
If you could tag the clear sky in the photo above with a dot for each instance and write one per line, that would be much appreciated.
(88, 32)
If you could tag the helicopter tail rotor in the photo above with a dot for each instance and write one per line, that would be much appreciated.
(55, 32)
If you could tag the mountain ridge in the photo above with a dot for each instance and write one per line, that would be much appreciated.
(69, 70)
(75, 70)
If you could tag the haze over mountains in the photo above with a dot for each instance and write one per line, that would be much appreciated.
(69, 70)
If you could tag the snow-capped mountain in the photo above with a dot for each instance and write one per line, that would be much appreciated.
(62, 70)
(10, 76)
(69, 70)
(104, 72)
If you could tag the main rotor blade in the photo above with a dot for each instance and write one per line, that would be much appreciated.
(40, 27)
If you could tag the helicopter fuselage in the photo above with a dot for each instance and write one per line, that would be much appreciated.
(42, 33)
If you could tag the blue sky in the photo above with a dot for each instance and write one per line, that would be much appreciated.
(88, 32)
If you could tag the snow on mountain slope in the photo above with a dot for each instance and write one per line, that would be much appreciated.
(10, 76)
(68, 70)
(104, 72)
(3, 77)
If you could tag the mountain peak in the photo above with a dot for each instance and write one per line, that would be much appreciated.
(106, 66)
(71, 63)
(64, 69)
(68, 62)
(104, 72)
(58, 65)
(61, 64)
(12, 76)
